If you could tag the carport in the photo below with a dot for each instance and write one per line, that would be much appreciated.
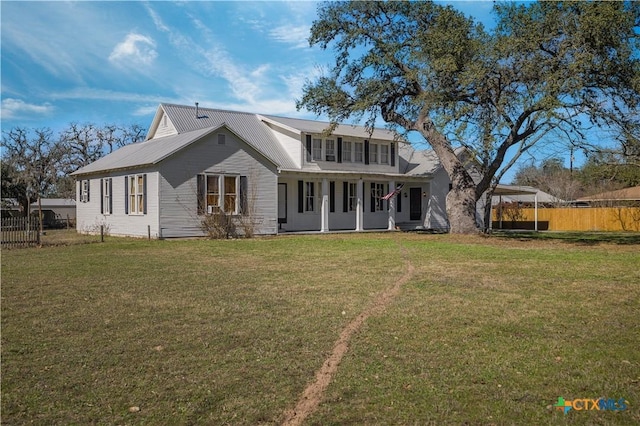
(505, 190)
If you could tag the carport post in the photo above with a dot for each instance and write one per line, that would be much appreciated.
(535, 210)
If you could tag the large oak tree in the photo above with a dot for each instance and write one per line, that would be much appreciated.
(427, 68)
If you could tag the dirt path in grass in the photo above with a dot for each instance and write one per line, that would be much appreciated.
(312, 395)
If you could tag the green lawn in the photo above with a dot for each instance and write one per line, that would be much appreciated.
(488, 330)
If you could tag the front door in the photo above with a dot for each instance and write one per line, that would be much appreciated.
(282, 203)
(415, 203)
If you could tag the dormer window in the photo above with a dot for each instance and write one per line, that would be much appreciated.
(384, 154)
(317, 150)
(330, 150)
(373, 153)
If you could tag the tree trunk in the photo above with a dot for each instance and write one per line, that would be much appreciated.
(461, 210)
(461, 199)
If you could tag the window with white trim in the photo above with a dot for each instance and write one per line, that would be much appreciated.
(317, 150)
(309, 197)
(352, 197)
(373, 153)
(136, 194)
(384, 154)
(84, 191)
(107, 205)
(359, 152)
(218, 192)
(346, 151)
(213, 194)
(330, 150)
(377, 192)
(231, 184)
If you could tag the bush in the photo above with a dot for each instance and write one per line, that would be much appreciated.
(219, 225)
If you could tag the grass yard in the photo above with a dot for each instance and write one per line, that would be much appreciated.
(487, 330)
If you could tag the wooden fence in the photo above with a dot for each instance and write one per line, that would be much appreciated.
(577, 218)
(20, 232)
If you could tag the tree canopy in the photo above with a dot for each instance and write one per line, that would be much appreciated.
(427, 68)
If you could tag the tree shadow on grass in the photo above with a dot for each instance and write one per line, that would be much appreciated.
(579, 238)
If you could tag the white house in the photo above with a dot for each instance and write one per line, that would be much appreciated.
(286, 172)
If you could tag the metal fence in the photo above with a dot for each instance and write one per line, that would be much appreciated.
(20, 232)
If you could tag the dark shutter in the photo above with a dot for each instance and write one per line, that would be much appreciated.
(308, 148)
(399, 202)
(366, 152)
(244, 206)
(88, 190)
(373, 197)
(101, 196)
(201, 193)
(110, 195)
(345, 196)
(126, 195)
(332, 196)
(393, 154)
(144, 193)
(339, 150)
(300, 196)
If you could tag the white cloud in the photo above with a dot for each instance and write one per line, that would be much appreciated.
(296, 36)
(14, 108)
(135, 49)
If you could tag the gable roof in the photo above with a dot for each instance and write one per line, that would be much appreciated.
(151, 151)
(192, 124)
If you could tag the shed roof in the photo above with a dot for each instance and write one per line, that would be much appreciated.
(312, 126)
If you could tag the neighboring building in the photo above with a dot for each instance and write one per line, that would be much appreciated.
(285, 172)
(56, 211)
(526, 196)
(621, 197)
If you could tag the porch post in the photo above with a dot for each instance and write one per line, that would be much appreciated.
(392, 207)
(324, 209)
(359, 206)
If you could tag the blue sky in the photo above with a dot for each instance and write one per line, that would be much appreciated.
(114, 62)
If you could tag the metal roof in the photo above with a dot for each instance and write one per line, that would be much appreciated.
(311, 126)
(415, 162)
(148, 152)
(246, 125)
(251, 128)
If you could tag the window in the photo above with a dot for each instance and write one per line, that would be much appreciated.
(218, 193)
(84, 191)
(377, 192)
(373, 153)
(330, 154)
(346, 152)
(230, 194)
(317, 150)
(384, 154)
(359, 146)
(213, 194)
(106, 204)
(352, 196)
(309, 196)
(135, 196)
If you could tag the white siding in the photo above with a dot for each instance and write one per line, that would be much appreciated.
(165, 127)
(89, 218)
(178, 183)
(437, 210)
(290, 141)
